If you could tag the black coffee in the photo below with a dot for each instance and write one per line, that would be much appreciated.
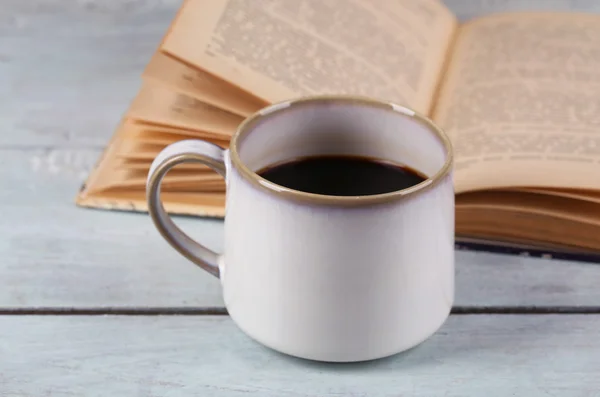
(342, 175)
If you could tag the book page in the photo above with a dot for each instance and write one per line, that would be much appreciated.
(280, 49)
(584, 195)
(152, 133)
(185, 203)
(521, 102)
(158, 105)
(198, 84)
(119, 175)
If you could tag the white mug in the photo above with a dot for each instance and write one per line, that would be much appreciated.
(328, 278)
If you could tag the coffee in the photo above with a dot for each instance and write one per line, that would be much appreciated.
(342, 175)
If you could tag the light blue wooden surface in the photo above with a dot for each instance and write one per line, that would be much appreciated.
(68, 70)
(472, 355)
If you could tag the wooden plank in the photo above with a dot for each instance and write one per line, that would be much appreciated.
(474, 355)
(54, 254)
(68, 69)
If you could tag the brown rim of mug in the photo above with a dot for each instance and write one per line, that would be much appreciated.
(248, 125)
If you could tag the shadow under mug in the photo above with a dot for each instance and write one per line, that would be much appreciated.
(327, 278)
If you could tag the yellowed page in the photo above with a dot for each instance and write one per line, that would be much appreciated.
(159, 138)
(103, 187)
(279, 49)
(147, 133)
(139, 150)
(119, 174)
(521, 102)
(586, 195)
(522, 226)
(157, 104)
(197, 180)
(200, 85)
(203, 204)
(541, 203)
(143, 164)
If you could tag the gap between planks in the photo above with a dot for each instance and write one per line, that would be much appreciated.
(220, 311)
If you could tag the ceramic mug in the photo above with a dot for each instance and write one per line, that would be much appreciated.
(327, 278)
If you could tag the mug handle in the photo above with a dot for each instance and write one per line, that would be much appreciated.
(185, 151)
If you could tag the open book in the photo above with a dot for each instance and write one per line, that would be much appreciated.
(518, 94)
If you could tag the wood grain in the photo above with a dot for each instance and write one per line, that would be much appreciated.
(57, 255)
(68, 69)
(491, 355)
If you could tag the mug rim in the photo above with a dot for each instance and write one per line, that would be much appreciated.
(247, 126)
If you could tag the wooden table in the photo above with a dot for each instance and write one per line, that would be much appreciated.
(95, 303)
